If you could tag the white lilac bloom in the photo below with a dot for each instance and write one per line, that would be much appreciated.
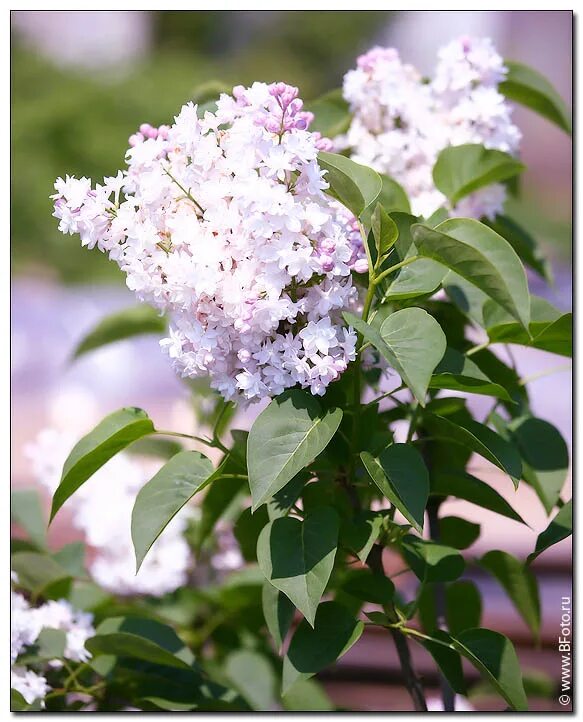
(32, 686)
(402, 121)
(113, 490)
(226, 227)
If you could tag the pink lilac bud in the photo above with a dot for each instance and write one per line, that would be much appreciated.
(466, 43)
(136, 139)
(322, 143)
(327, 263)
(340, 365)
(273, 125)
(327, 245)
(361, 266)
(148, 131)
(244, 355)
(240, 96)
(163, 131)
(369, 60)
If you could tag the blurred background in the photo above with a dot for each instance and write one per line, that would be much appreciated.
(82, 82)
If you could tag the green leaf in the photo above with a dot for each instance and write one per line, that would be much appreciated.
(493, 655)
(26, 511)
(463, 606)
(140, 638)
(133, 321)
(560, 528)
(481, 257)
(401, 475)
(40, 574)
(110, 436)
(479, 439)
(307, 695)
(71, 558)
(467, 487)
(417, 279)
(384, 230)
(457, 532)
(431, 562)
(448, 660)
(375, 588)
(411, 341)
(523, 243)
(286, 437)
(247, 529)
(278, 611)
(297, 556)
(361, 532)
(164, 495)
(17, 701)
(457, 372)
(519, 583)
(356, 186)
(331, 114)
(283, 501)
(311, 650)
(51, 643)
(545, 456)
(528, 87)
(549, 330)
(463, 169)
(252, 676)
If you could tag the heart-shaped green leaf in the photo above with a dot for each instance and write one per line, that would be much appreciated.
(297, 556)
(356, 186)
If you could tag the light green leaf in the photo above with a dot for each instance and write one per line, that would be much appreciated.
(545, 456)
(164, 495)
(278, 611)
(40, 574)
(481, 257)
(463, 169)
(467, 487)
(297, 557)
(286, 437)
(412, 343)
(417, 279)
(480, 439)
(307, 695)
(401, 475)
(110, 436)
(493, 655)
(523, 243)
(560, 528)
(384, 230)
(519, 583)
(331, 114)
(311, 650)
(356, 186)
(252, 675)
(457, 372)
(133, 321)
(26, 511)
(51, 643)
(528, 87)
(463, 606)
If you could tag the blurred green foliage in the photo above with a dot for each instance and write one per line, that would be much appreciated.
(65, 121)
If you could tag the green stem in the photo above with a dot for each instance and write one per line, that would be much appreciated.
(212, 443)
(187, 193)
(479, 347)
(394, 268)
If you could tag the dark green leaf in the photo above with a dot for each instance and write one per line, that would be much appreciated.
(519, 583)
(17, 701)
(361, 532)
(286, 437)
(493, 655)
(297, 556)
(463, 169)
(546, 457)
(480, 439)
(26, 510)
(40, 574)
(247, 529)
(432, 562)
(465, 486)
(528, 87)
(283, 501)
(560, 528)
(164, 495)
(401, 475)
(311, 650)
(133, 321)
(447, 659)
(110, 436)
(463, 606)
(278, 611)
(375, 588)
(523, 243)
(384, 231)
(458, 533)
(356, 186)
(457, 372)
(480, 256)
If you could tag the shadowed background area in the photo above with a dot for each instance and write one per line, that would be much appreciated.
(82, 82)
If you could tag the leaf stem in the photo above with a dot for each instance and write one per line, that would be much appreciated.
(394, 268)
